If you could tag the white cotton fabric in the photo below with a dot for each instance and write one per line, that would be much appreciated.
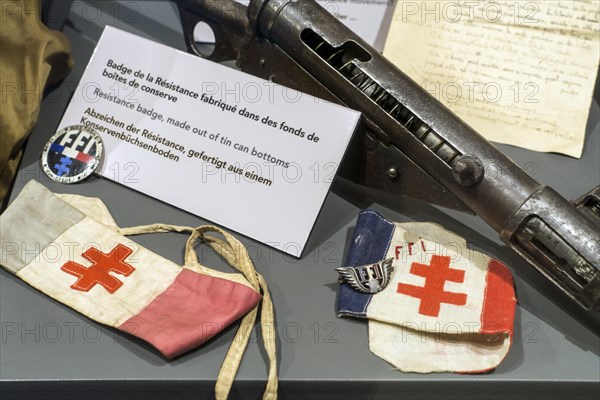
(153, 274)
(450, 341)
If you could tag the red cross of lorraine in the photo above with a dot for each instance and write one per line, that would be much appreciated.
(432, 294)
(99, 272)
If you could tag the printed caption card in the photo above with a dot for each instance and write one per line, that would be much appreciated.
(248, 154)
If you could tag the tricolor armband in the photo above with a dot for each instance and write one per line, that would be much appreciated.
(84, 263)
(444, 307)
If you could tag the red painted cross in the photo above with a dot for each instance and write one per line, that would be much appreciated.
(432, 294)
(99, 271)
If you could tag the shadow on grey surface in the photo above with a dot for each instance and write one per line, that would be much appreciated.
(318, 390)
(558, 310)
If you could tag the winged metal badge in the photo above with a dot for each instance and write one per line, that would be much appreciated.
(371, 278)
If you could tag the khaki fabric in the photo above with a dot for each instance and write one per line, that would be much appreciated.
(31, 57)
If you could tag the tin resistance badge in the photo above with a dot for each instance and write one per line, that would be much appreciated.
(72, 154)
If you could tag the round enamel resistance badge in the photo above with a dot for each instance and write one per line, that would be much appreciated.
(72, 154)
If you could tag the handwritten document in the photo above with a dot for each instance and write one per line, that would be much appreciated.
(519, 72)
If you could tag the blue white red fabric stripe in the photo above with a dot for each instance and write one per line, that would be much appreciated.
(444, 301)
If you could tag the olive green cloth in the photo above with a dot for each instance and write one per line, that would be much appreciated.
(31, 57)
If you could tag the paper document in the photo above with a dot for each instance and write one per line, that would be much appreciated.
(519, 72)
(242, 152)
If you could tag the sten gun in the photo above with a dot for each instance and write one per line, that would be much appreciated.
(407, 133)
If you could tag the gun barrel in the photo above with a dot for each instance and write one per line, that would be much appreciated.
(534, 220)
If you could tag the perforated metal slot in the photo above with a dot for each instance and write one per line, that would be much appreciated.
(344, 58)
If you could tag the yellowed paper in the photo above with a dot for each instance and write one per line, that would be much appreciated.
(519, 72)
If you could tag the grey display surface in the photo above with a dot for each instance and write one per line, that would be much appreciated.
(49, 351)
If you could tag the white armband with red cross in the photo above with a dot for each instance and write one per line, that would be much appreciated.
(69, 248)
(445, 307)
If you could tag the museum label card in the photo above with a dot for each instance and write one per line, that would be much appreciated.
(248, 154)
